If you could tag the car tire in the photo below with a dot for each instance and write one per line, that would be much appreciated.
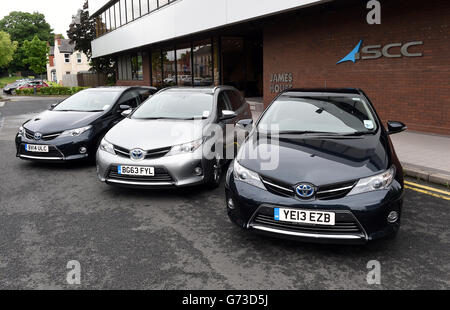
(215, 176)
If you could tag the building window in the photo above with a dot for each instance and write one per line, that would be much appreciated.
(130, 67)
(66, 58)
(157, 69)
(163, 2)
(184, 73)
(153, 5)
(129, 7)
(203, 63)
(123, 12)
(108, 21)
(112, 12)
(79, 59)
(184, 66)
(67, 72)
(117, 14)
(144, 7)
(137, 71)
(136, 9)
(169, 74)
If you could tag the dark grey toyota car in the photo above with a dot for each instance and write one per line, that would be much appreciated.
(318, 166)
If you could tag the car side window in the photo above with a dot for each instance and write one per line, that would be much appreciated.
(144, 94)
(235, 99)
(223, 103)
(130, 98)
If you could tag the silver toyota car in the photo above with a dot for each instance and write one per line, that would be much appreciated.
(178, 137)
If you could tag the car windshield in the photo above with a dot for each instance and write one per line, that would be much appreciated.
(89, 101)
(324, 114)
(176, 105)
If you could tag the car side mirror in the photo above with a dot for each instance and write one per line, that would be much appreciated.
(227, 114)
(124, 107)
(395, 127)
(244, 123)
(126, 113)
(54, 105)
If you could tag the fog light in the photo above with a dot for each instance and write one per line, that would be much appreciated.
(83, 150)
(392, 217)
(230, 204)
(198, 171)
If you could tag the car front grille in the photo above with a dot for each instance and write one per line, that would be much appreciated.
(30, 135)
(345, 223)
(161, 175)
(324, 192)
(151, 154)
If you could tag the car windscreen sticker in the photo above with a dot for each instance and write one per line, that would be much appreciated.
(119, 169)
(368, 124)
(276, 212)
(206, 113)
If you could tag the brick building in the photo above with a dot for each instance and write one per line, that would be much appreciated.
(262, 47)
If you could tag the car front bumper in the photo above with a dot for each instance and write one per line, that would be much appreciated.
(359, 218)
(170, 171)
(61, 149)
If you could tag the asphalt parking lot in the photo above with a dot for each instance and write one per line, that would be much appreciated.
(182, 239)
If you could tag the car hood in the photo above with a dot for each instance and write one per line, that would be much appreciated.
(57, 121)
(154, 134)
(319, 161)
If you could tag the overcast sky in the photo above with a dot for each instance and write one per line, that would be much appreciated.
(58, 13)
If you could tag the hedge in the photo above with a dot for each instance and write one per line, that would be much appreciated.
(51, 91)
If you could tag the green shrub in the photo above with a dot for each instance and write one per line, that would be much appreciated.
(51, 91)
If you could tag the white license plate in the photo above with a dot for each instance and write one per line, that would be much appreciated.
(136, 170)
(36, 148)
(304, 216)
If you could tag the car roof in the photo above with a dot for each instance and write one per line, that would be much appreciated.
(322, 91)
(119, 88)
(196, 89)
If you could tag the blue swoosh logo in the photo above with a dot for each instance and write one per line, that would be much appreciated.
(352, 54)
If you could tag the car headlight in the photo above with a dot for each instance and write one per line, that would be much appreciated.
(21, 132)
(245, 175)
(75, 132)
(374, 183)
(107, 147)
(185, 148)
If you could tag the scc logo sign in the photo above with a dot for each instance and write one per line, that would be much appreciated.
(378, 51)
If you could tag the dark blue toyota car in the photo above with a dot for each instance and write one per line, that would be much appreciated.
(318, 166)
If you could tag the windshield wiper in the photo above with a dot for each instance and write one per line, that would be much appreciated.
(302, 132)
(357, 133)
(170, 118)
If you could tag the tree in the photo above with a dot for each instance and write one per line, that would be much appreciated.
(7, 49)
(82, 33)
(23, 26)
(35, 55)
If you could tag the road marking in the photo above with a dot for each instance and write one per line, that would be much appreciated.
(2, 104)
(423, 191)
(428, 188)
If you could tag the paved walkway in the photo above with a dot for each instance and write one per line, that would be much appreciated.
(425, 156)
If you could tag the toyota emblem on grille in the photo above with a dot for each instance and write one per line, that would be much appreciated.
(137, 154)
(305, 190)
(37, 136)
